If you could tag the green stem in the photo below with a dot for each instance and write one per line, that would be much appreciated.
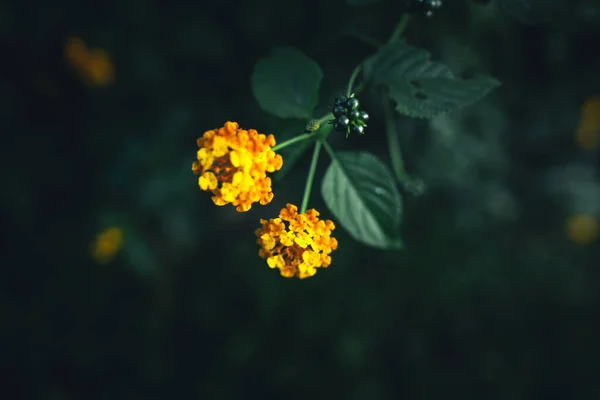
(400, 27)
(311, 176)
(293, 140)
(390, 124)
(325, 118)
(359, 88)
(329, 150)
(352, 79)
(394, 143)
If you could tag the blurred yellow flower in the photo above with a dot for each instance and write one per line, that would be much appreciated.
(588, 131)
(582, 229)
(94, 66)
(296, 244)
(233, 164)
(76, 52)
(107, 244)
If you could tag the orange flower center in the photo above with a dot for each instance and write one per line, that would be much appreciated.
(223, 169)
(291, 254)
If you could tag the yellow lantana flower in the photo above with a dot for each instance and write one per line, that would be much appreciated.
(94, 66)
(582, 229)
(296, 244)
(588, 131)
(107, 244)
(233, 164)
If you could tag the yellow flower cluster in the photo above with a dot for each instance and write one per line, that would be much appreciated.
(588, 131)
(582, 229)
(296, 244)
(107, 244)
(94, 66)
(233, 165)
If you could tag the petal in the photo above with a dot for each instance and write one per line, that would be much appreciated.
(219, 201)
(237, 179)
(220, 146)
(208, 181)
(234, 158)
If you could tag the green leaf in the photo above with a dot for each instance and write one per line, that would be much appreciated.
(286, 83)
(361, 193)
(420, 87)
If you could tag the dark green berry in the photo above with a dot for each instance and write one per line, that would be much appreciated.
(340, 101)
(424, 7)
(339, 128)
(338, 111)
(354, 115)
(363, 116)
(343, 121)
(357, 130)
(352, 103)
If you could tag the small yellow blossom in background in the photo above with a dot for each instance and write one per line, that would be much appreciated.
(233, 164)
(76, 53)
(588, 131)
(582, 229)
(107, 244)
(94, 66)
(296, 244)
